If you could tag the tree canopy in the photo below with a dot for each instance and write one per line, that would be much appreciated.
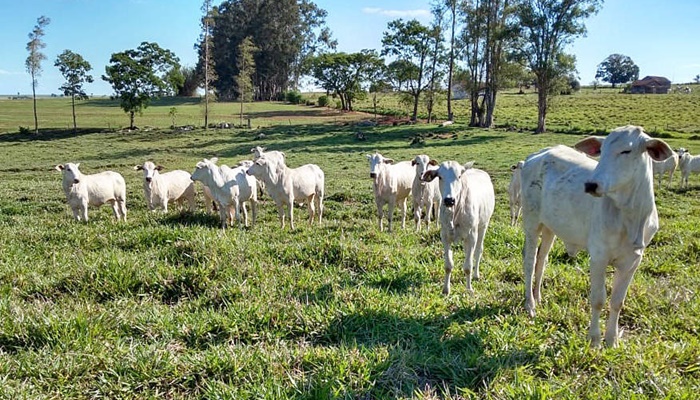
(286, 32)
(140, 74)
(617, 68)
(75, 70)
(33, 61)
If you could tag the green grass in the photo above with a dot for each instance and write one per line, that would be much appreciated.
(169, 306)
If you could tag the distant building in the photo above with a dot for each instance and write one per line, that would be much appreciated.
(651, 85)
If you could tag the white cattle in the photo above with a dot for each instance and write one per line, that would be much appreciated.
(688, 164)
(95, 190)
(468, 201)
(426, 195)
(514, 196)
(273, 155)
(231, 188)
(392, 184)
(286, 185)
(615, 221)
(668, 165)
(161, 189)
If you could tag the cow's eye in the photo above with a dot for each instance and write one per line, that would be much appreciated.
(625, 151)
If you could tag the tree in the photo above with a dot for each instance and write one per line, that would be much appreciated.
(452, 6)
(344, 75)
(190, 83)
(617, 68)
(140, 74)
(74, 69)
(33, 62)
(410, 43)
(206, 65)
(697, 79)
(287, 32)
(547, 27)
(246, 69)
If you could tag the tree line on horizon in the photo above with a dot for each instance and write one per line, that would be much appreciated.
(260, 49)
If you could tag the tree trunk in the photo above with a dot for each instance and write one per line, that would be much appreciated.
(241, 124)
(450, 116)
(414, 117)
(131, 120)
(36, 119)
(75, 125)
(541, 109)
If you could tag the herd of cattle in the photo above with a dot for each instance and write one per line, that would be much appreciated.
(605, 207)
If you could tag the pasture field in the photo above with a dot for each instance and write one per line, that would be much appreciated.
(169, 306)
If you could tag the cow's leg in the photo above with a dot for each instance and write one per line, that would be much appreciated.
(478, 251)
(380, 214)
(417, 212)
(403, 213)
(470, 244)
(280, 212)
(546, 242)
(312, 208)
(390, 211)
(624, 272)
(532, 235)
(290, 213)
(597, 296)
(449, 264)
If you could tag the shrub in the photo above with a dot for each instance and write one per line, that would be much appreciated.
(24, 130)
(323, 101)
(310, 102)
(338, 104)
(293, 97)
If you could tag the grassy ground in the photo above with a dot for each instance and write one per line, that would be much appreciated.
(169, 306)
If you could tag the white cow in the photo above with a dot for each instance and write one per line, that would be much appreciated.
(231, 188)
(161, 189)
(514, 196)
(615, 221)
(286, 185)
(209, 200)
(668, 165)
(688, 164)
(426, 195)
(95, 190)
(468, 201)
(392, 184)
(273, 155)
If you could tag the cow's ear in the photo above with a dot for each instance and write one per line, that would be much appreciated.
(429, 175)
(252, 150)
(590, 145)
(160, 168)
(388, 161)
(469, 165)
(283, 155)
(658, 149)
(369, 157)
(413, 162)
(433, 162)
(77, 165)
(138, 167)
(214, 160)
(59, 167)
(513, 167)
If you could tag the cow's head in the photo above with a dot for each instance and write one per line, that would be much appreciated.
(260, 167)
(422, 163)
(149, 170)
(257, 151)
(624, 159)
(449, 173)
(375, 162)
(71, 173)
(202, 168)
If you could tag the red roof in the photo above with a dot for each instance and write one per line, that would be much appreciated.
(652, 81)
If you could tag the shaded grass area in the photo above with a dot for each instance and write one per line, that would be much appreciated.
(170, 306)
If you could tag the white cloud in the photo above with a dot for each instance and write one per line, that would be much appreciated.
(690, 66)
(3, 72)
(420, 13)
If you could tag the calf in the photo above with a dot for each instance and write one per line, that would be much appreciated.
(95, 190)
(614, 222)
(468, 201)
(688, 164)
(286, 185)
(161, 189)
(514, 189)
(426, 195)
(668, 165)
(392, 184)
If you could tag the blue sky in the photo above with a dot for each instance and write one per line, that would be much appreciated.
(661, 37)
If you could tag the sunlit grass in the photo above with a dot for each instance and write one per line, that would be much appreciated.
(169, 306)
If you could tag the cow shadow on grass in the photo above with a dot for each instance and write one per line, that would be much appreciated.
(436, 352)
